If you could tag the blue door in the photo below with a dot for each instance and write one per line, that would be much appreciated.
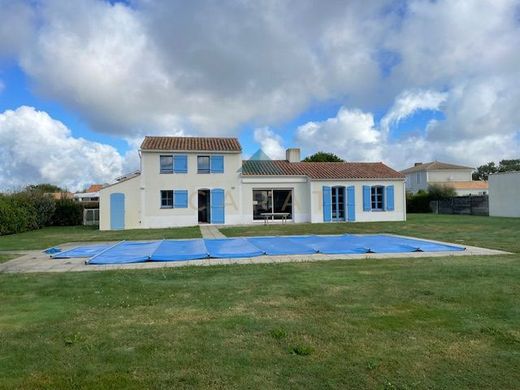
(217, 205)
(117, 211)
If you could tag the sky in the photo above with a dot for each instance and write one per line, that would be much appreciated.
(83, 81)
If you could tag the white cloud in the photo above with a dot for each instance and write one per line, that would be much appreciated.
(351, 134)
(270, 143)
(178, 67)
(35, 148)
(409, 102)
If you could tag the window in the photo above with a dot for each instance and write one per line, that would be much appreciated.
(167, 199)
(272, 201)
(376, 197)
(203, 164)
(338, 203)
(166, 164)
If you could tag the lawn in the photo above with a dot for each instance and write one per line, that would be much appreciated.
(6, 257)
(387, 324)
(449, 322)
(51, 236)
(488, 232)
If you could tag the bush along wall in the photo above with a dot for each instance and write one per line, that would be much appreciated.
(420, 202)
(32, 209)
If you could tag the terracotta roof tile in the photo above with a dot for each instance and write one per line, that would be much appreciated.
(432, 166)
(191, 143)
(320, 170)
(94, 188)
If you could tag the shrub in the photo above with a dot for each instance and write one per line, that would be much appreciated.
(418, 203)
(42, 205)
(441, 191)
(67, 213)
(16, 215)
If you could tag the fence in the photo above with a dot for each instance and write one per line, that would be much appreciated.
(469, 205)
(91, 217)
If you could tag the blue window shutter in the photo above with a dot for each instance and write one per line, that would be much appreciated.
(351, 203)
(117, 211)
(180, 199)
(390, 198)
(217, 164)
(366, 198)
(217, 206)
(327, 200)
(180, 163)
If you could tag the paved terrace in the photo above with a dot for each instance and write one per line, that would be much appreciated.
(36, 261)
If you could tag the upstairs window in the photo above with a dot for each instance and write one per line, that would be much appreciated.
(203, 165)
(166, 164)
(167, 199)
(377, 197)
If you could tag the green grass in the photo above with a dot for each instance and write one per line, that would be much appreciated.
(385, 324)
(51, 236)
(448, 322)
(489, 232)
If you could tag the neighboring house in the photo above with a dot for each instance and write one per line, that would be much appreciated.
(90, 195)
(504, 194)
(60, 195)
(185, 181)
(458, 177)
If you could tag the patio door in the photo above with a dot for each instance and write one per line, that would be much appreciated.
(338, 203)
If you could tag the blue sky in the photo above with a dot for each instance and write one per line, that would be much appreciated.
(84, 81)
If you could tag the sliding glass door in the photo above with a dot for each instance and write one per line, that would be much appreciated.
(272, 201)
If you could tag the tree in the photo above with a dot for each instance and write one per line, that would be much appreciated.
(322, 157)
(509, 165)
(483, 172)
(44, 187)
(440, 191)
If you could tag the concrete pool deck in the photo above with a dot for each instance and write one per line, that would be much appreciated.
(36, 261)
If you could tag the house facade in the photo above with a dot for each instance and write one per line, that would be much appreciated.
(458, 177)
(185, 181)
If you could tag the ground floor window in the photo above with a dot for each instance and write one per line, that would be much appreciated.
(338, 203)
(377, 197)
(167, 199)
(272, 201)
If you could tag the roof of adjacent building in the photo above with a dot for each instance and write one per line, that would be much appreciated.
(217, 144)
(320, 170)
(94, 188)
(466, 185)
(432, 166)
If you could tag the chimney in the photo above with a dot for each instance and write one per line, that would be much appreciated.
(417, 164)
(292, 155)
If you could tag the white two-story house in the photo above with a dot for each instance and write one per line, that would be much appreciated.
(185, 181)
(459, 177)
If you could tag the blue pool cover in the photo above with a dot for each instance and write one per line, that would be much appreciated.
(181, 250)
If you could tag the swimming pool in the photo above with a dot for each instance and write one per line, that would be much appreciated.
(244, 247)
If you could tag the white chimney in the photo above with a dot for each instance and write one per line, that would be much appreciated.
(292, 155)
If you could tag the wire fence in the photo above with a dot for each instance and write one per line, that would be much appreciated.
(91, 217)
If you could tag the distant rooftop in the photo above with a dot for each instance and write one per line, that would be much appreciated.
(432, 166)
(209, 144)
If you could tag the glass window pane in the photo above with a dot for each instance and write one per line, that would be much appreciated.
(203, 164)
(166, 164)
(167, 198)
(282, 202)
(262, 203)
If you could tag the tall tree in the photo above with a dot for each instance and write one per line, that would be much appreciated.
(322, 157)
(509, 165)
(44, 187)
(483, 172)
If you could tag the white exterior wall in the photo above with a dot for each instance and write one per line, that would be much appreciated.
(130, 188)
(300, 187)
(152, 182)
(504, 194)
(449, 175)
(416, 181)
(399, 213)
